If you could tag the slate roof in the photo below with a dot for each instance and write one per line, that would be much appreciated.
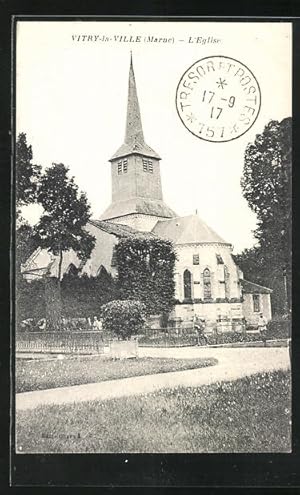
(252, 288)
(134, 136)
(139, 148)
(118, 230)
(137, 205)
(187, 230)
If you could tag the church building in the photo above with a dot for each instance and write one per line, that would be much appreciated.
(208, 282)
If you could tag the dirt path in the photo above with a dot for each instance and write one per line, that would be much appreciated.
(233, 364)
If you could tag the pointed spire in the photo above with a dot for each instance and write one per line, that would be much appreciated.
(134, 136)
(134, 129)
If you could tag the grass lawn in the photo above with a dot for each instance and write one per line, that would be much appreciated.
(40, 375)
(248, 415)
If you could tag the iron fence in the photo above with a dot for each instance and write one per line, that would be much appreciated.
(189, 336)
(168, 337)
(60, 342)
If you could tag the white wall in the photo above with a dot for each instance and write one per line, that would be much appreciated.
(207, 259)
(42, 258)
(101, 255)
(265, 308)
(211, 312)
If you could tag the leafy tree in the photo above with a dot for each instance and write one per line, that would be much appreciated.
(27, 173)
(25, 244)
(252, 264)
(123, 318)
(145, 265)
(27, 180)
(61, 226)
(66, 212)
(266, 185)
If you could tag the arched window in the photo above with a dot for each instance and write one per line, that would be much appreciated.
(187, 284)
(206, 284)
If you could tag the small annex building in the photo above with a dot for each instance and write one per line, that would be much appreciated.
(209, 284)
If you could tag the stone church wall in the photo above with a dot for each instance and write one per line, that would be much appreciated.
(207, 259)
(211, 312)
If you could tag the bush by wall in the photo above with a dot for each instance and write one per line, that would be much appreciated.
(231, 337)
(123, 318)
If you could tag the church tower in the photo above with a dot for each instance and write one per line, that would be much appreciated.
(137, 198)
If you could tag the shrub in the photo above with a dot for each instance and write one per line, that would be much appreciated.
(279, 327)
(123, 318)
(231, 337)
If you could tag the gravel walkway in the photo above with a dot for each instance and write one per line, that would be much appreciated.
(233, 364)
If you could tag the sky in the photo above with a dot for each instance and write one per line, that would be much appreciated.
(71, 99)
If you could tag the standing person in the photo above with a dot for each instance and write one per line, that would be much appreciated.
(200, 327)
(89, 321)
(262, 326)
(42, 324)
(97, 325)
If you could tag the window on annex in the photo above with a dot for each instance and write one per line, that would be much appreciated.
(122, 166)
(256, 303)
(206, 284)
(187, 284)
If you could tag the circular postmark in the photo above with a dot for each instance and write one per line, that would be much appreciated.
(218, 99)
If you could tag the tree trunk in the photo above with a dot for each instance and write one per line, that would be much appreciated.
(53, 299)
(60, 265)
(53, 304)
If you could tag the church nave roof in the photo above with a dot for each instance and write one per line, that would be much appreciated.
(187, 230)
